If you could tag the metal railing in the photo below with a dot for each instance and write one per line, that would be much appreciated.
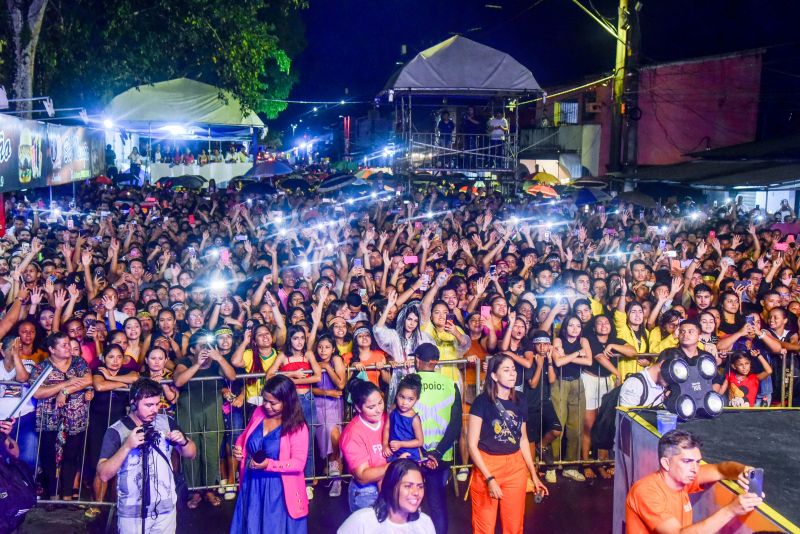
(461, 152)
(214, 438)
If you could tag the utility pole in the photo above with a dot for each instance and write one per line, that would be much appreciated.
(625, 112)
(615, 151)
(629, 110)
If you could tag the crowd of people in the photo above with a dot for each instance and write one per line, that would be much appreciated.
(364, 328)
(177, 155)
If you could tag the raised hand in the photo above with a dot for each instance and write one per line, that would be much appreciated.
(109, 302)
(72, 289)
(676, 286)
(36, 296)
(60, 297)
(391, 297)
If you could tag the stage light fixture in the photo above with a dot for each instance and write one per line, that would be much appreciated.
(675, 371)
(706, 366)
(689, 392)
(681, 404)
(712, 405)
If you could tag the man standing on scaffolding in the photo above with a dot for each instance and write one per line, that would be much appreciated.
(498, 129)
(444, 130)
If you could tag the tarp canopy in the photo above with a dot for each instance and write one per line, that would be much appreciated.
(460, 65)
(766, 164)
(177, 103)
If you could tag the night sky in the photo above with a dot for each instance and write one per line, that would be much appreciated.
(354, 44)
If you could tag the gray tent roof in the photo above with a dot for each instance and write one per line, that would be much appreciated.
(460, 65)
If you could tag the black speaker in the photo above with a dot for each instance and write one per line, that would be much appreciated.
(689, 392)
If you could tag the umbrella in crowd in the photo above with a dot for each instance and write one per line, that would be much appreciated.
(336, 182)
(590, 195)
(237, 182)
(103, 180)
(267, 169)
(590, 181)
(637, 198)
(293, 183)
(259, 188)
(544, 178)
(544, 190)
(357, 187)
(366, 173)
(189, 181)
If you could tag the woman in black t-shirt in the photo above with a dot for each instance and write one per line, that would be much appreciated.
(572, 355)
(498, 444)
(109, 405)
(599, 379)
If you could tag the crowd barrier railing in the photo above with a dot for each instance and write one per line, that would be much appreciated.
(214, 424)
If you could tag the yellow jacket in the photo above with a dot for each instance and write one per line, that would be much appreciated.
(627, 365)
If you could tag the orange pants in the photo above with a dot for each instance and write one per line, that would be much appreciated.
(510, 471)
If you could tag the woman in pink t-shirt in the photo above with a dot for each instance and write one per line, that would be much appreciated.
(362, 445)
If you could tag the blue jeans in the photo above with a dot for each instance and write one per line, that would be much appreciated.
(359, 497)
(309, 413)
(436, 495)
(24, 433)
(234, 426)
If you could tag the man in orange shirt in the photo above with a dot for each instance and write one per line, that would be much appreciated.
(660, 501)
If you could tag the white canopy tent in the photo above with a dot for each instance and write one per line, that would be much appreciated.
(459, 65)
(181, 102)
(179, 109)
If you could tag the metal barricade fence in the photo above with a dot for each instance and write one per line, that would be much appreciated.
(201, 412)
(214, 424)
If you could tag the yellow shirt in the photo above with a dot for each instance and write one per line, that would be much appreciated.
(448, 350)
(597, 306)
(658, 343)
(628, 366)
(254, 385)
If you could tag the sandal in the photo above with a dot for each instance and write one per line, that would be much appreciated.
(604, 472)
(194, 501)
(91, 512)
(212, 499)
(589, 473)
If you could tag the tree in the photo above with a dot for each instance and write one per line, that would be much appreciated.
(91, 50)
(25, 18)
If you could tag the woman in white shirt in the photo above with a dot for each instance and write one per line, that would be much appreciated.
(397, 507)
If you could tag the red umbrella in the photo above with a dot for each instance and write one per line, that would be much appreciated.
(543, 190)
(103, 180)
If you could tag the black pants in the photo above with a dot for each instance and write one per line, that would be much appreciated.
(436, 496)
(70, 463)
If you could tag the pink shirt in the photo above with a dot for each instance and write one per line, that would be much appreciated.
(89, 354)
(362, 444)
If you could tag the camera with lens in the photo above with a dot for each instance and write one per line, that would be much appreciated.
(151, 435)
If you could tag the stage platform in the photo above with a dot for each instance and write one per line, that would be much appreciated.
(761, 437)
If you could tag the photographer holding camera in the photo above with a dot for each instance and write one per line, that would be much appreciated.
(144, 433)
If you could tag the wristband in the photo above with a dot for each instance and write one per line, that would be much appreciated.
(489, 479)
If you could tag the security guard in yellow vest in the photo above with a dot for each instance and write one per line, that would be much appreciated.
(439, 409)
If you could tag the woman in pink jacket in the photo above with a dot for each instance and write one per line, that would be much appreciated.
(272, 452)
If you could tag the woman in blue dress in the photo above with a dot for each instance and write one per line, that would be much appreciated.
(272, 452)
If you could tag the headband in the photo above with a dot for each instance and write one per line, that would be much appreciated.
(360, 331)
(542, 340)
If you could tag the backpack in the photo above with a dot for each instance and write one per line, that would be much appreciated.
(605, 426)
(17, 490)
